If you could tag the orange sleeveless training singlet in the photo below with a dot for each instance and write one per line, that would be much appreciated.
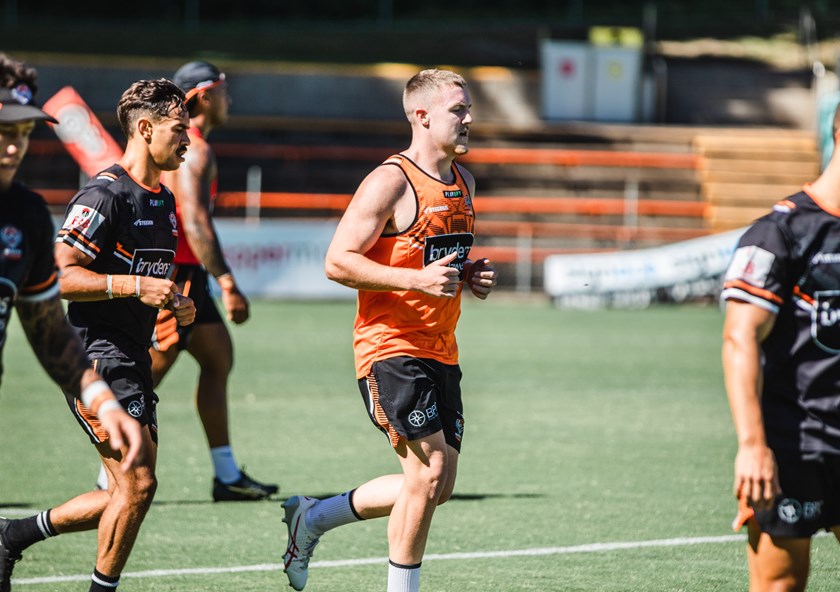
(407, 323)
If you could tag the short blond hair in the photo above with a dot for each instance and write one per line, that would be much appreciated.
(429, 80)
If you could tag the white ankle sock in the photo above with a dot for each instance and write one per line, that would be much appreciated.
(403, 578)
(329, 513)
(224, 463)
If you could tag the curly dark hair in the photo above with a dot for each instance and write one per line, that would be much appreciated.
(14, 72)
(156, 98)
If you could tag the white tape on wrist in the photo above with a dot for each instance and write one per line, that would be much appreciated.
(107, 406)
(109, 289)
(93, 390)
(137, 285)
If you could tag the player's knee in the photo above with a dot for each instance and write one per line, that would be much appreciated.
(143, 489)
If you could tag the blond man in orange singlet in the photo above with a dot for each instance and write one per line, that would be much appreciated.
(404, 244)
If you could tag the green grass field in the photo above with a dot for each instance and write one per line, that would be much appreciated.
(597, 457)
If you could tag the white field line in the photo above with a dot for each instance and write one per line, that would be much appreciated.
(589, 548)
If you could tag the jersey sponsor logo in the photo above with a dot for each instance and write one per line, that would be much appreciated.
(438, 247)
(751, 264)
(83, 219)
(825, 320)
(157, 203)
(144, 222)
(433, 209)
(11, 238)
(454, 193)
(152, 262)
(823, 258)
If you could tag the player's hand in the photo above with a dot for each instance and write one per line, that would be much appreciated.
(236, 305)
(757, 476)
(481, 278)
(124, 431)
(438, 279)
(157, 292)
(184, 309)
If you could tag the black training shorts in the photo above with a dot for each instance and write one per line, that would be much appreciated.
(810, 498)
(131, 383)
(412, 398)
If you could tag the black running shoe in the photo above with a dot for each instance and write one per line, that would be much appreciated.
(8, 558)
(244, 490)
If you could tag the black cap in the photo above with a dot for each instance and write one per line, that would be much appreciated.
(16, 105)
(197, 76)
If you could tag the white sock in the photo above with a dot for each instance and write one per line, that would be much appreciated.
(227, 471)
(403, 578)
(332, 512)
(102, 479)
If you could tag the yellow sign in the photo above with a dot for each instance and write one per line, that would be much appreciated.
(624, 36)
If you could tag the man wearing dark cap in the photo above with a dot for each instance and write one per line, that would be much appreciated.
(199, 254)
(29, 283)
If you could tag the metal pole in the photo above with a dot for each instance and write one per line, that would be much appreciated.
(524, 250)
(253, 186)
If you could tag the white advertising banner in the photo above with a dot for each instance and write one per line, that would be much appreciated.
(280, 259)
(633, 278)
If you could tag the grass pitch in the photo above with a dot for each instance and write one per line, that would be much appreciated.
(597, 457)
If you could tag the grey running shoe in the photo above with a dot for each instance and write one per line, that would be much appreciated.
(302, 541)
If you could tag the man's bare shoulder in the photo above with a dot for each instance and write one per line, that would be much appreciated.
(385, 183)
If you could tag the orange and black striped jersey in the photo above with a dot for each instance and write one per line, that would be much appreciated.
(788, 263)
(125, 228)
(404, 323)
(27, 265)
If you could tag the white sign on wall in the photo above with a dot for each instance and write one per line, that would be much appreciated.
(280, 259)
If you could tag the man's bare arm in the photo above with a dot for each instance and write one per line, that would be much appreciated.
(55, 343)
(192, 187)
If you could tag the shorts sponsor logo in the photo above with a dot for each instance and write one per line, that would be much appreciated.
(135, 409)
(459, 428)
(83, 219)
(416, 418)
(812, 510)
(431, 412)
(790, 510)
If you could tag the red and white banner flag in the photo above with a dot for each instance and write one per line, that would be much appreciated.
(87, 141)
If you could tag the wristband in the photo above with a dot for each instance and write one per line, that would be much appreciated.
(107, 406)
(137, 285)
(92, 391)
(109, 286)
(226, 282)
